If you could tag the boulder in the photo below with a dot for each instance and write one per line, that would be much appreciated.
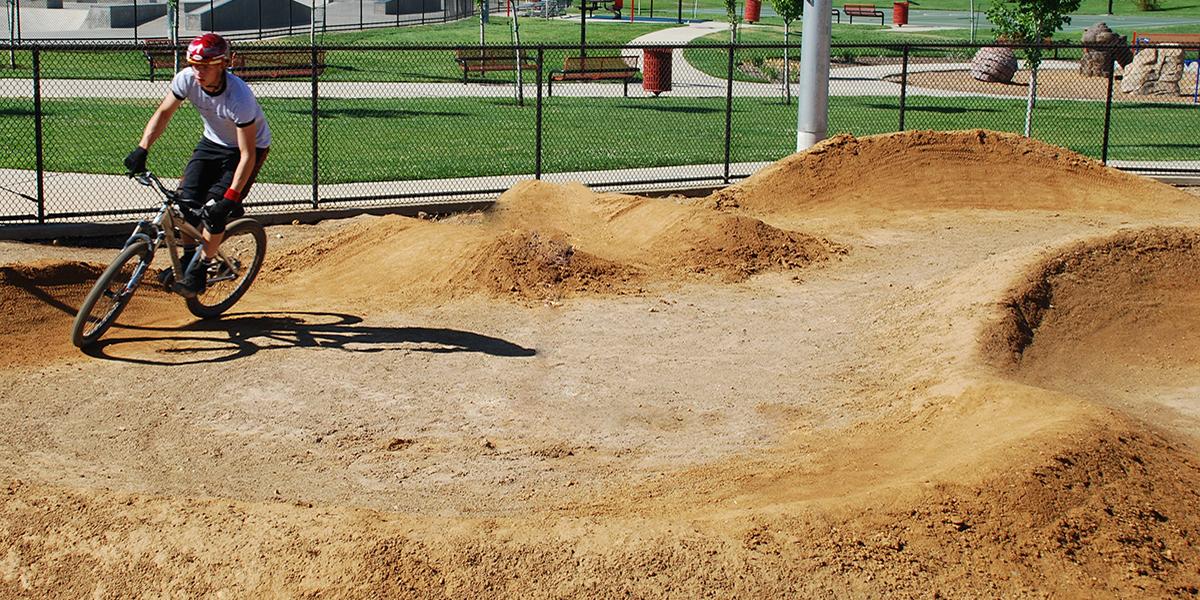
(1098, 62)
(994, 64)
(1154, 71)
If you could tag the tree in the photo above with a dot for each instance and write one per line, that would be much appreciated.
(788, 10)
(1030, 22)
(731, 13)
(516, 41)
(481, 6)
(173, 27)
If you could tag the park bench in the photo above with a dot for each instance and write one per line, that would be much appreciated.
(275, 64)
(247, 64)
(837, 15)
(160, 54)
(595, 68)
(482, 60)
(862, 10)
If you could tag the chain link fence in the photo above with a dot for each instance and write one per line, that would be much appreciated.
(357, 126)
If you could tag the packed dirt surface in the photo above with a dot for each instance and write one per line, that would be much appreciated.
(973, 374)
(1064, 84)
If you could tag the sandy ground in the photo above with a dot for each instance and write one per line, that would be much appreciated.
(798, 386)
(1052, 83)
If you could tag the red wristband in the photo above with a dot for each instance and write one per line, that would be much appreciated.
(232, 194)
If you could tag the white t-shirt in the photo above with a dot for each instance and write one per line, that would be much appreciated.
(235, 106)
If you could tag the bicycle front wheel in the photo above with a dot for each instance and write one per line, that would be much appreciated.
(244, 247)
(111, 294)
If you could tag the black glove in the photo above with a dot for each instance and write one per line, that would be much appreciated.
(136, 161)
(218, 211)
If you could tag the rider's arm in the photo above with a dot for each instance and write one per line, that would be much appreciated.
(246, 136)
(158, 122)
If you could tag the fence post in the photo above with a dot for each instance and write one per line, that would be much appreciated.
(38, 142)
(1107, 115)
(212, 22)
(728, 112)
(315, 197)
(903, 86)
(537, 161)
(135, 21)
(360, 14)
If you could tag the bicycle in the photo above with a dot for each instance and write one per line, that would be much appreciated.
(238, 261)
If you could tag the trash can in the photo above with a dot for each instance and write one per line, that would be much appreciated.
(656, 70)
(899, 13)
(753, 8)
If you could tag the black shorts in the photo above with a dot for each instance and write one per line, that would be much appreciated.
(209, 173)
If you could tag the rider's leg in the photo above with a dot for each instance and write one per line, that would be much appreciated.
(212, 240)
(201, 173)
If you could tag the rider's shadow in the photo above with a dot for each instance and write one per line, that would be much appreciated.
(240, 335)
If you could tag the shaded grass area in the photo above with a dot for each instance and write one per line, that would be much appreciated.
(402, 139)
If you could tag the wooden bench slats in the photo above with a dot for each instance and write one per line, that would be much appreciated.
(491, 59)
(595, 68)
(248, 64)
(862, 10)
(275, 64)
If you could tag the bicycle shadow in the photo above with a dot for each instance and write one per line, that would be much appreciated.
(240, 335)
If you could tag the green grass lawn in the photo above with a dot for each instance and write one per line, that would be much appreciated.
(366, 65)
(401, 139)
(414, 65)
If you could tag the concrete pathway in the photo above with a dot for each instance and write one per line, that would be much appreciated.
(85, 192)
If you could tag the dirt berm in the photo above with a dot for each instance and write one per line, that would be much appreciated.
(971, 374)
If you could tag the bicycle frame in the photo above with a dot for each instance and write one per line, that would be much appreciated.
(162, 228)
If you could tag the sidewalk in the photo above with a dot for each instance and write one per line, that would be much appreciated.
(63, 190)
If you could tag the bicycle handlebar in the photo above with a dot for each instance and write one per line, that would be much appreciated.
(149, 179)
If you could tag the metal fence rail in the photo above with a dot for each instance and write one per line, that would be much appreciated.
(387, 125)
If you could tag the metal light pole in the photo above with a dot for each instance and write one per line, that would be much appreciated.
(812, 120)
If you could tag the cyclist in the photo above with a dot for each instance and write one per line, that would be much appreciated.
(226, 160)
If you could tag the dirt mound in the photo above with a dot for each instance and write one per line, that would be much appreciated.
(1100, 509)
(943, 170)
(1115, 318)
(38, 303)
(665, 237)
(532, 265)
(541, 241)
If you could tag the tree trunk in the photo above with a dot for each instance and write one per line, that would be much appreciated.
(516, 32)
(1033, 73)
(173, 29)
(787, 65)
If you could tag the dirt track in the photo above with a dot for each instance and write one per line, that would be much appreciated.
(898, 386)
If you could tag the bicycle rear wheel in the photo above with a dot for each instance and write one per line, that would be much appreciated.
(111, 294)
(244, 247)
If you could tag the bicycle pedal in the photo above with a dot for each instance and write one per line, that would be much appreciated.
(183, 290)
(166, 278)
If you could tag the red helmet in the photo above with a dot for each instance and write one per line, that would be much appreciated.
(207, 49)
